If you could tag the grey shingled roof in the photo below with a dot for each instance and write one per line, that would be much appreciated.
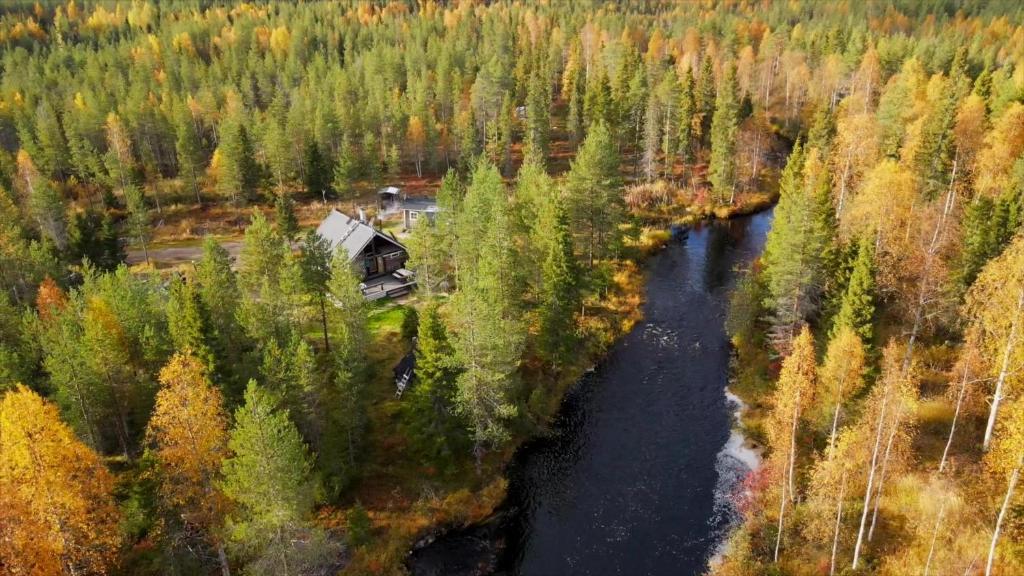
(340, 229)
(419, 204)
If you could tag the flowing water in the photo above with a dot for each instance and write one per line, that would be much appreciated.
(638, 472)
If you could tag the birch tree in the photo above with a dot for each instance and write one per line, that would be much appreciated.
(995, 305)
(1006, 459)
(793, 394)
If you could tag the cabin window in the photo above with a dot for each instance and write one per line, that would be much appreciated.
(414, 215)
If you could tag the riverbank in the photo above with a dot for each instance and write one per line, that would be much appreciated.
(408, 502)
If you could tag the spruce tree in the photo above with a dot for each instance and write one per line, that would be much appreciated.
(687, 107)
(560, 297)
(793, 253)
(704, 101)
(286, 221)
(857, 309)
(432, 398)
(724, 127)
(238, 175)
(318, 174)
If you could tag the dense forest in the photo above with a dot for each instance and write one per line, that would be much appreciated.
(236, 414)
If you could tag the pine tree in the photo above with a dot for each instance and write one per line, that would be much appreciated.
(217, 286)
(138, 216)
(44, 201)
(316, 274)
(857, 309)
(429, 256)
(57, 508)
(724, 128)
(269, 478)
(187, 322)
(348, 313)
(53, 147)
(189, 149)
(189, 430)
(593, 188)
(537, 116)
(346, 169)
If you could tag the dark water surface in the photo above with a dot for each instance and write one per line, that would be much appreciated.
(633, 479)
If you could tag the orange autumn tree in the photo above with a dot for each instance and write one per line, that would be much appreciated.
(57, 512)
(189, 430)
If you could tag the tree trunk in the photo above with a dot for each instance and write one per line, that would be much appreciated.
(788, 483)
(839, 518)
(956, 415)
(225, 570)
(1004, 371)
(782, 515)
(323, 322)
(871, 481)
(881, 476)
(929, 258)
(935, 535)
(1002, 516)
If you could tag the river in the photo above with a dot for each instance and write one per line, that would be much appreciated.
(636, 475)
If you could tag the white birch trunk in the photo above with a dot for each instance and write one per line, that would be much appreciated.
(871, 481)
(935, 535)
(835, 535)
(881, 475)
(1004, 371)
(956, 416)
(1001, 517)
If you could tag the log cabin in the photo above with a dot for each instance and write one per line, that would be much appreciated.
(379, 258)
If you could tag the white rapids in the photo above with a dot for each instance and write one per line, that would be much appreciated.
(735, 461)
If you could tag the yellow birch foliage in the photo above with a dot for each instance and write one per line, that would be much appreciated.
(57, 512)
(793, 392)
(189, 429)
(1003, 145)
(841, 375)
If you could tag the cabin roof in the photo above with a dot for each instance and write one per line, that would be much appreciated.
(341, 230)
(392, 190)
(419, 204)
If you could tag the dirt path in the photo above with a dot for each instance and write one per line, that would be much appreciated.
(169, 256)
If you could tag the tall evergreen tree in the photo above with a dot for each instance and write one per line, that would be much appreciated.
(857, 308)
(432, 399)
(724, 128)
(270, 478)
(560, 297)
(593, 188)
(188, 148)
(318, 173)
(793, 253)
(237, 173)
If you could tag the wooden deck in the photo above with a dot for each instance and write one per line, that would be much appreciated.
(387, 286)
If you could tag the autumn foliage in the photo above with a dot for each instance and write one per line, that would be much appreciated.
(57, 512)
